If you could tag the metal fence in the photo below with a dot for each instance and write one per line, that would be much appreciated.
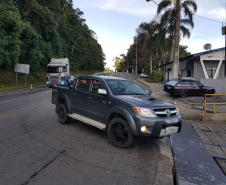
(214, 104)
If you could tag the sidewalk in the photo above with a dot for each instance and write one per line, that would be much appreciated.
(199, 150)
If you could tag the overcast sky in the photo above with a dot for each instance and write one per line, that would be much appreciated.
(115, 23)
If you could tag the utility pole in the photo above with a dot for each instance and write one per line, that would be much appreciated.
(224, 33)
(177, 42)
(136, 56)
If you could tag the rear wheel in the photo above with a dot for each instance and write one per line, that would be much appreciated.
(183, 93)
(62, 114)
(119, 133)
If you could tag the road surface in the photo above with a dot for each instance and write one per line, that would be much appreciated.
(36, 149)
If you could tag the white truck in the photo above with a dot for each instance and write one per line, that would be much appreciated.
(57, 72)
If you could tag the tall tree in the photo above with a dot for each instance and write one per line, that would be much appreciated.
(153, 37)
(11, 26)
(185, 9)
(36, 30)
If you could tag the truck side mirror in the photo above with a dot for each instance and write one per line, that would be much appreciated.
(148, 92)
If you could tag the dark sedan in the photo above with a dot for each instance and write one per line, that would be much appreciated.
(184, 88)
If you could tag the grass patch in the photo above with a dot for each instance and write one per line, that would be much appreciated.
(8, 79)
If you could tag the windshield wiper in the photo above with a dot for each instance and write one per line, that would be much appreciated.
(121, 90)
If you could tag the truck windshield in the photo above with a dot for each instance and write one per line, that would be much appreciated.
(124, 87)
(54, 69)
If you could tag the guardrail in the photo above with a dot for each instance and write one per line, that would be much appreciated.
(214, 104)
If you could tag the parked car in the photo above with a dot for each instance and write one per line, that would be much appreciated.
(184, 88)
(144, 75)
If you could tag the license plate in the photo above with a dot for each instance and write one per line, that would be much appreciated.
(171, 130)
(172, 121)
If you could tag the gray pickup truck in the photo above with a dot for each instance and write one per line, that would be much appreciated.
(118, 106)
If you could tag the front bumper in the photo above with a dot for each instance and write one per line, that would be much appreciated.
(158, 127)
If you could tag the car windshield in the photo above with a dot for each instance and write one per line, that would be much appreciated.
(55, 69)
(124, 87)
(172, 82)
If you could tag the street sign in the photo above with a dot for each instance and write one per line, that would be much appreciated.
(22, 68)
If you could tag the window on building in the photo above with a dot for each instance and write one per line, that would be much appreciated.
(211, 72)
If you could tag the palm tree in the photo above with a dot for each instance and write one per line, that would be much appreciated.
(187, 9)
(147, 35)
(154, 37)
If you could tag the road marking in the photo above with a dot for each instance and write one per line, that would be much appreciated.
(12, 100)
(6, 115)
(10, 114)
(22, 98)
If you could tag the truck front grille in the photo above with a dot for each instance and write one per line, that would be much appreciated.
(165, 112)
(54, 79)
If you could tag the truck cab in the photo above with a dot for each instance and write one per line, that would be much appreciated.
(57, 72)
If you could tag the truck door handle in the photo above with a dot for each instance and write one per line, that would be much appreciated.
(104, 102)
(74, 94)
(89, 97)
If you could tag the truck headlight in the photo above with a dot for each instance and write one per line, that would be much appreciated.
(146, 112)
(62, 82)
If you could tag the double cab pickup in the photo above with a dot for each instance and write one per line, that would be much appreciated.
(118, 106)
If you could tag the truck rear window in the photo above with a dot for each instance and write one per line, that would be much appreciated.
(83, 85)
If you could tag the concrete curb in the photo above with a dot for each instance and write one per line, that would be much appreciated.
(192, 117)
(220, 117)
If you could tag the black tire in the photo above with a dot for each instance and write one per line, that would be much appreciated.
(183, 93)
(119, 133)
(62, 114)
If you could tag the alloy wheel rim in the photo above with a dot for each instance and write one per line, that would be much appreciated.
(120, 133)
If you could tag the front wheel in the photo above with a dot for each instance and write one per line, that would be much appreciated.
(183, 93)
(119, 133)
(62, 114)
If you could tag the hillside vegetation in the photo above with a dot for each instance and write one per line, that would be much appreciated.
(32, 32)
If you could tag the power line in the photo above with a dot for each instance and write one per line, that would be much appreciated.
(195, 14)
(208, 19)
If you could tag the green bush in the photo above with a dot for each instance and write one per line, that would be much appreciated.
(156, 76)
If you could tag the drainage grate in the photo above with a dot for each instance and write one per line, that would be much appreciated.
(222, 164)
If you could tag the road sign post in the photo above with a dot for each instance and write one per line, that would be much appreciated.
(22, 68)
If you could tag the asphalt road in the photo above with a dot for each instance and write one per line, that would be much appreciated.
(36, 149)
